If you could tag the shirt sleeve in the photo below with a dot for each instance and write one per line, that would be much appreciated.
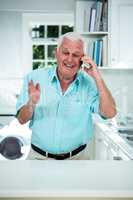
(23, 97)
(95, 106)
(95, 102)
(94, 96)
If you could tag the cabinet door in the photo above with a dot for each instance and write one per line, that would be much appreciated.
(10, 45)
(123, 156)
(101, 147)
(121, 32)
(113, 152)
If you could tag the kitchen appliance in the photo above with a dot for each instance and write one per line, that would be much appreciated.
(124, 127)
(10, 147)
(14, 147)
(15, 139)
(6, 119)
(127, 134)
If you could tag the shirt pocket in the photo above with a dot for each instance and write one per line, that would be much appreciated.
(74, 108)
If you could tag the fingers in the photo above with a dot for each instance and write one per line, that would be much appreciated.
(32, 86)
(86, 69)
(89, 61)
(38, 86)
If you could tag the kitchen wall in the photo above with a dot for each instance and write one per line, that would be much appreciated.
(39, 5)
(11, 31)
(12, 68)
(120, 81)
(11, 59)
(10, 44)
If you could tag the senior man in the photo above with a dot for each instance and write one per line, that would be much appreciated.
(59, 103)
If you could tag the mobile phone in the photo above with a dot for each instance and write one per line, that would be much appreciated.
(82, 65)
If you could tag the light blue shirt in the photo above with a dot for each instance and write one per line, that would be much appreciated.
(61, 122)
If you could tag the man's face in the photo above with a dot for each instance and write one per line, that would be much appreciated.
(68, 58)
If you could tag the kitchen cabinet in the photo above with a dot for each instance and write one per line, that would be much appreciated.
(107, 147)
(101, 146)
(121, 32)
(123, 156)
(116, 153)
(113, 153)
(11, 45)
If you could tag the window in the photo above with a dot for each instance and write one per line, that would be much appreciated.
(44, 43)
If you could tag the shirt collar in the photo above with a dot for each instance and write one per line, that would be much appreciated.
(77, 79)
(53, 76)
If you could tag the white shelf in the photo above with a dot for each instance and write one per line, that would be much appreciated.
(96, 41)
(115, 68)
(94, 33)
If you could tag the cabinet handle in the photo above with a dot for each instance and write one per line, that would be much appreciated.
(106, 144)
(117, 158)
(99, 140)
(113, 59)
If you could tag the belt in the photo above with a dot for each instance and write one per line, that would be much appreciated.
(58, 156)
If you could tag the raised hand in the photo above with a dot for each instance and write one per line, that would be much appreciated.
(92, 70)
(34, 92)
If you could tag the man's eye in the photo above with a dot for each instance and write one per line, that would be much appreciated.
(76, 55)
(65, 52)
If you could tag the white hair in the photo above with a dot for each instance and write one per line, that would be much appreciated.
(73, 36)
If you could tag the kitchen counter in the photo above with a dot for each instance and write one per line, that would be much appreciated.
(116, 138)
(66, 179)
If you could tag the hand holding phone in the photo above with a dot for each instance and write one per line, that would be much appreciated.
(83, 64)
(88, 66)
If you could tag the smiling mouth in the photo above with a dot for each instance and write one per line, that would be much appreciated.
(69, 66)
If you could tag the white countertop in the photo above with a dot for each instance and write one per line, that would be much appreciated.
(116, 138)
(53, 178)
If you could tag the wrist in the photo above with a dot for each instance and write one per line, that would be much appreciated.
(31, 105)
(97, 76)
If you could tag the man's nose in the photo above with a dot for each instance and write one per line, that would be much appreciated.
(69, 58)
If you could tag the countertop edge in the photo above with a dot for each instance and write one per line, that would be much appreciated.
(94, 193)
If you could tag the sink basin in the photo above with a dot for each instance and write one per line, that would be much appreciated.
(127, 135)
(126, 131)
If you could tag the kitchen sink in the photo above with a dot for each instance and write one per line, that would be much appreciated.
(126, 131)
(127, 135)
